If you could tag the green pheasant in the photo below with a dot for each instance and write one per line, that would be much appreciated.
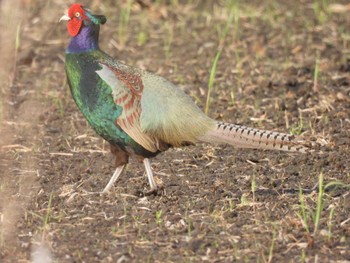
(139, 113)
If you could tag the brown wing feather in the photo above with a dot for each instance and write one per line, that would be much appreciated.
(127, 90)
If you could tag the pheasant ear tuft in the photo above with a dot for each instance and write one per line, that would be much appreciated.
(101, 19)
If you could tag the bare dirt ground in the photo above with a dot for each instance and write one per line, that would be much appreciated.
(284, 66)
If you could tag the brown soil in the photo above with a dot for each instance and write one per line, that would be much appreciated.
(218, 203)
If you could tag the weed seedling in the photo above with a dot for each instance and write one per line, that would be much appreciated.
(124, 18)
(303, 210)
(232, 6)
(321, 9)
(159, 217)
(47, 217)
(306, 212)
(319, 206)
(168, 40)
(297, 130)
(211, 80)
(253, 187)
(231, 205)
(142, 38)
(17, 45)
(272, 246)
(303, 256)
(331, 214)
(316, 73)
(143, 35)
(48, 212)
(58, 103)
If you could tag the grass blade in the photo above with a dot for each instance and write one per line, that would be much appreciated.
(303, 209)
(211, 80)
(319, 203)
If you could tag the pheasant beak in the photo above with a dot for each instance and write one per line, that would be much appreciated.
(65, 18)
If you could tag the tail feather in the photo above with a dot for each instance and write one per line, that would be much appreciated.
(245, 137)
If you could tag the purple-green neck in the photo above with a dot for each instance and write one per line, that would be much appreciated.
(85, 41)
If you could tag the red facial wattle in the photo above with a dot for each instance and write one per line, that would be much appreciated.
(74, 26)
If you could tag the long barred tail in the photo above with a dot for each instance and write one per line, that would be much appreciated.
(245, 137)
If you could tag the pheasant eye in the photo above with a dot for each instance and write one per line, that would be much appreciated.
(77, 14)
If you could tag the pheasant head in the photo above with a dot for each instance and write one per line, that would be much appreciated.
(78, 17)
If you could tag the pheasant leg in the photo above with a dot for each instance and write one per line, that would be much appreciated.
(149, 172)
(114, 178)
